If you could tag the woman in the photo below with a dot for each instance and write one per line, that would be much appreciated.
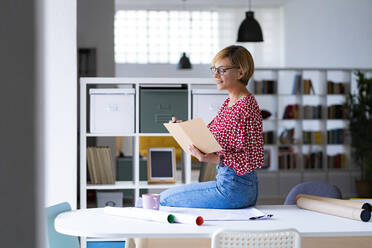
(238, 129)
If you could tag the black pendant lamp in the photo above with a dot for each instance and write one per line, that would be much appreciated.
(250, 30)
(184, 62)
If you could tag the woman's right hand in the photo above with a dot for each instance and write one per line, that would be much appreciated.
(175, 120)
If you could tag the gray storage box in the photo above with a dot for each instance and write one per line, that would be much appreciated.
(158, 105)
(109, 198)
(124, 169)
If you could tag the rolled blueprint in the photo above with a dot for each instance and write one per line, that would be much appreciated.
(140, 213)
(346, 203)
(334, 209)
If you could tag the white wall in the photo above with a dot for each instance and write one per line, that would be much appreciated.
(264, 54)
(328, 33)
(60, 101)
(95, 28)
(38, 115)
(19, 177)
(160, 70)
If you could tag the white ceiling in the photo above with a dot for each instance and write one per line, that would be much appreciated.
(155, 4)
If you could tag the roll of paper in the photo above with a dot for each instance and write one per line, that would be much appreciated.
(188, 219)
(334, 209)
(140, 213)
(346, 203)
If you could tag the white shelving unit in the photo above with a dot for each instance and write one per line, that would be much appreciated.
(273, 182)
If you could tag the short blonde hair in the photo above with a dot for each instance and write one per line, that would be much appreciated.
(239, 56)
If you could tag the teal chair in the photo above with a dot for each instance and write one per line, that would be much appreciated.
(54, 238)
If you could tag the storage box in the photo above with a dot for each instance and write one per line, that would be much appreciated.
(158, 105)
(109, 198)
(206, 103)
(111, 110)
(124, 169)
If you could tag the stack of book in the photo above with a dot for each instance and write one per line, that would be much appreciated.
(337, 111)
(336, 136)
(264, 87)
(337, 161)
(336, 88)
(313, 160)
(291, 112)
(100, 165)
(310, 137)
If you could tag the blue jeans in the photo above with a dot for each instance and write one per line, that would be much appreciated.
(228, 191)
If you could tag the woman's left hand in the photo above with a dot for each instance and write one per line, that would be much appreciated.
(204, 157)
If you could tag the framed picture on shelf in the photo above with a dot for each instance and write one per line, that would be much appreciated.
(161, 165)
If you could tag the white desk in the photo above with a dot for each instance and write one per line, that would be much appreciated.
(94, 223)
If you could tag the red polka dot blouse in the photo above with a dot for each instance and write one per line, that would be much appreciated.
(238, 129)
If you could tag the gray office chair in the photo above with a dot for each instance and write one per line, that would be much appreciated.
(313, 188)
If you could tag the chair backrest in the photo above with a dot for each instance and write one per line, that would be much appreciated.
(54, 238)
(313, 188)
(287, 238)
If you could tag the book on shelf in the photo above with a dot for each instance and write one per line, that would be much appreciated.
(287, 136)
(286, 158)
(336, 136)
(264, 86)
(100, 165)
(308, 87)
(312, 137)
(313, 160)
(268, 137)
(337, 161)
(336, 111)
(266, 164)
(312, 112)
(336, 88)
(296, 89)
(291, 111)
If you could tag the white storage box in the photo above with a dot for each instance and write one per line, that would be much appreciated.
(109, 198)
(206, 103)
(111, 110)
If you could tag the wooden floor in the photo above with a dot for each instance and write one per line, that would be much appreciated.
(321, 242)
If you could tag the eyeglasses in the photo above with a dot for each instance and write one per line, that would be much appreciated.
(221, 70)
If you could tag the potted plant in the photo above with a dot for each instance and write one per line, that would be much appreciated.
(359, 112)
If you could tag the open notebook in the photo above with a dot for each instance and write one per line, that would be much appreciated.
(193, 132)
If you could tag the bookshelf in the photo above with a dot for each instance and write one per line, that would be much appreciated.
(305, 142)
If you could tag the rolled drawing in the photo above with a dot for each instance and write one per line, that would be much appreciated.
(334, 209)
(346, 203)
(188, 219)
(140, 213)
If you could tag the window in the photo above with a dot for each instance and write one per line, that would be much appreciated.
(143, 36)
